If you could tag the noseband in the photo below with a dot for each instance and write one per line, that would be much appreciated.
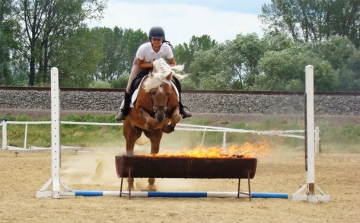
(157, 107)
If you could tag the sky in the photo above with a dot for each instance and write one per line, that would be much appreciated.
(221, 20)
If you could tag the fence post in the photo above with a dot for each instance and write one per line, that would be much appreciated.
(25, 135)
(4, 133)
(224, 141)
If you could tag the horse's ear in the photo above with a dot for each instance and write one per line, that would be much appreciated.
(168, 77)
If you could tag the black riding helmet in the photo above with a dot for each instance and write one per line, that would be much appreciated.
(156, 32)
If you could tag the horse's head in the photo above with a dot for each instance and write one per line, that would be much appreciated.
(158, 84)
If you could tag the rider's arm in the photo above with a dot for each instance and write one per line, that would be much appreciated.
(172, 61)
(143, 64)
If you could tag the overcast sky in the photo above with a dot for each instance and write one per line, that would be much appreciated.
(221, 20)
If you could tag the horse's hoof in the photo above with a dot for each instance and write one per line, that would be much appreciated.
(169, 129)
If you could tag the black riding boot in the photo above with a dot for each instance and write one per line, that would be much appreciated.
(183, 112)
(124, 108)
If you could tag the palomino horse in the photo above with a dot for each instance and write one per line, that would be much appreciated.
(156, 110)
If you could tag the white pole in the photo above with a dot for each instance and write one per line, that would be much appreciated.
(55, 132)
(25, 137)
(310, 185)
(55, 144)
(224, 141)
(4, 132)
(309, 72)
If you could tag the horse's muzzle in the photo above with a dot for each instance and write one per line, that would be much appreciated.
(159, 116)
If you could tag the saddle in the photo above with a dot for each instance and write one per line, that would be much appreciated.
(138, 79)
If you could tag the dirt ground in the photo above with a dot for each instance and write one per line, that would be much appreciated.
(20, 177)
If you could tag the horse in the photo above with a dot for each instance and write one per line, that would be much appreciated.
(156, 110)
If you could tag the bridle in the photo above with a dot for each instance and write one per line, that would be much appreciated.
(157, 107)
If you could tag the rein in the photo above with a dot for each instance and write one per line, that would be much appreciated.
(157, 107)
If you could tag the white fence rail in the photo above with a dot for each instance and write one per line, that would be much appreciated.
(180, 127)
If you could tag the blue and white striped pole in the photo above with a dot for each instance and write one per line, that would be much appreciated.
(179, 194)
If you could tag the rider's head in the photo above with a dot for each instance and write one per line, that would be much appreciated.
(157, 36)
(156, 32)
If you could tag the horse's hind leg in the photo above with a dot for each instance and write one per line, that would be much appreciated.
(155, 138)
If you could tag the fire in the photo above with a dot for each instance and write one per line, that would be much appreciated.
(247, 150)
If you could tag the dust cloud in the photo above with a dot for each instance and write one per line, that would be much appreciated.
(97, 167)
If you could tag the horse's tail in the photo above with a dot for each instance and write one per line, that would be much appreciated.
(142, 140)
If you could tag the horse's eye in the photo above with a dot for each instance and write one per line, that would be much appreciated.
(152, 93)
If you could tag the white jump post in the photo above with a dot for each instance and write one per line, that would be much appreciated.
(310, 185)
(4, 129)
(55, 143)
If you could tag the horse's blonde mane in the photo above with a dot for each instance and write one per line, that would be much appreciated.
(161, 70)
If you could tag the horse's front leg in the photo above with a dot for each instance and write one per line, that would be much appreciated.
(150, 122)
(131, 134)
(155, 138)
(175, 118)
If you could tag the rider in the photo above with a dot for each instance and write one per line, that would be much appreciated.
(145, 55)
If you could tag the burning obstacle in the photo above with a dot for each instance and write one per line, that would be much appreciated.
(186, 167)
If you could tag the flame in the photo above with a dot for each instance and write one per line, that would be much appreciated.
(247, 150)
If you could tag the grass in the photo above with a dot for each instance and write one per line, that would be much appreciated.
(344, 138)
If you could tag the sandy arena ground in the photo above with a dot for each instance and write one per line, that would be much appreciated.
(20, 177)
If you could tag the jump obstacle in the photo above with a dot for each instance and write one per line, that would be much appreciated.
(56, 182)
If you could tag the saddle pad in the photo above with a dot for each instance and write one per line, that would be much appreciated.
(135, 94)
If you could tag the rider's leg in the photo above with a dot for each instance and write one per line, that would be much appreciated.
(125, 104)
(124, 108)
(183, 112)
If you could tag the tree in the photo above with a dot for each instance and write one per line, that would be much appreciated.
(310, 20)
(202, 66)
(285, 71)
(276, 41)
(343, 56)
(349, 79)
(49, 22)
(6, 31)
(241, 57)
(5, 72)
(214, 69)
(119, 50)
(337, 50)
(184, 53)
(78, 57)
